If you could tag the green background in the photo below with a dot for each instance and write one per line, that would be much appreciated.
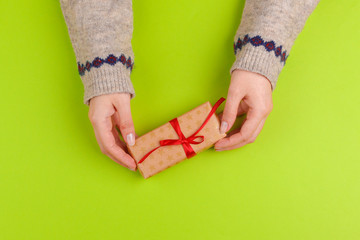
(299, 180)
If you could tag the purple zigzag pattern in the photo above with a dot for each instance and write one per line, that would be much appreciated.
(111, 60)
(258, 41)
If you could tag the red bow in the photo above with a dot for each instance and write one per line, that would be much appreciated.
(185, 142)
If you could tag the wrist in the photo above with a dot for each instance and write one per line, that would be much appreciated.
(253, 76)
(107, 80)
(258, 58)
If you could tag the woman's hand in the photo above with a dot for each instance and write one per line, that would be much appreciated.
(106, 112)
(248, 93)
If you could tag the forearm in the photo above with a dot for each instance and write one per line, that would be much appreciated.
(100, 33)
(266, 34)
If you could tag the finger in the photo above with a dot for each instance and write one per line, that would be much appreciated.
(125, 121)
(116, 120)
(252, 139)
(243, 108)
(232, 132)
(121, 162)
(117, 138)
(249, 126)
(104, 135)
(230, 111)
(257, 131)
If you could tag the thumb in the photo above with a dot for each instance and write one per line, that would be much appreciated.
(230, 112)
(126, 125)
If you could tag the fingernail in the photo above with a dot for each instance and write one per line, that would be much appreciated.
(218, 150)
(130, 139)
(223, 127)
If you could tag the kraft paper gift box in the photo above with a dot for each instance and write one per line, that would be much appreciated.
(200, 128)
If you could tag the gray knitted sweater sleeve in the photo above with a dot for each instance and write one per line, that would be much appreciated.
(101, 32)
(266, 34)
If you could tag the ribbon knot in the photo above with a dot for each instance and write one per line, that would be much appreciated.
(182, 140)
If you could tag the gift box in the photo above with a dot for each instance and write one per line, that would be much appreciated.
(180, 138)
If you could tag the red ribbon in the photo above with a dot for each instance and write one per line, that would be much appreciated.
(185, 142)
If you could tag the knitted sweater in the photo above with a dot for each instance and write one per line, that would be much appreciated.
(101, 32)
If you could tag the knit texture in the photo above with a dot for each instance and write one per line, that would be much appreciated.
(276, 22)
(98, 29)
(101, 32)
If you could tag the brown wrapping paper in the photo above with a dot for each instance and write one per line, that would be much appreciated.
(167, 156)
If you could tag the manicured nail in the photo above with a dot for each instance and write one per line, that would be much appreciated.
(223, 127)
(130, 139)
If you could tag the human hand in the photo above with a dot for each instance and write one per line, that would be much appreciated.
(248, 93)
(106, 112)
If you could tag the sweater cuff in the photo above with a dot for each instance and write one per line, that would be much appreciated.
(105, 80)
(254, 57)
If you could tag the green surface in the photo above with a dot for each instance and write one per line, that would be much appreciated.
(299, 180)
